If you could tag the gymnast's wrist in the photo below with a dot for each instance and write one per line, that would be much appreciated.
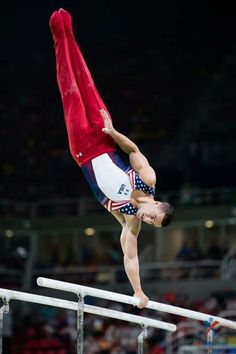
(113, 133)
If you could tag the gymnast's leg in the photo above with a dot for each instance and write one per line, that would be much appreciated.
(74, 110)
(91, 98)
(75, 81)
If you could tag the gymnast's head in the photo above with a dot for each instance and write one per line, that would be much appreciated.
(158, 214)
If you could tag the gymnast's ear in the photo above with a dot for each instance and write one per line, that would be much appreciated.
(169, 211)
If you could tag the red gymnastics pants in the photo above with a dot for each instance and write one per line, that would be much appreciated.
(80, 98)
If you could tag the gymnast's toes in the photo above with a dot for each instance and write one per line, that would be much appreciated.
(67, 19)
(56, 24)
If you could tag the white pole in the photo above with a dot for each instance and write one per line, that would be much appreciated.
(4, 309)
(108, 295)
(70, 305)
(1, 327)
(80, 325)
(141, 338)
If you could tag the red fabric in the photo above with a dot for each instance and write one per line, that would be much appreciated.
(80, 98)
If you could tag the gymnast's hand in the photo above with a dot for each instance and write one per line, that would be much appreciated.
(108, 127)
(142, 297)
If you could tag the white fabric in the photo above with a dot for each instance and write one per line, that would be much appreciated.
(112, 181)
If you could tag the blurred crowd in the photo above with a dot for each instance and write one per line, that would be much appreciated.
(90, 256)
(53, 331)
(190, 251)
(93, 267)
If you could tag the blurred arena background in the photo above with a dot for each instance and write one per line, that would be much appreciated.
(166, 71)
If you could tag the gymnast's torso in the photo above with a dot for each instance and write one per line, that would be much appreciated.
(113, 181)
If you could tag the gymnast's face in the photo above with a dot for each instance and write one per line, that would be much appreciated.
(151, 214)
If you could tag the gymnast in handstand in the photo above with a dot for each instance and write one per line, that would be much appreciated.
(125, 190)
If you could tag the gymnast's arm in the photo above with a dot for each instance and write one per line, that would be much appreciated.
(137, 160)
(129, 244)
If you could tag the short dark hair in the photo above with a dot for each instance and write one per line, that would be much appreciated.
(169, 211)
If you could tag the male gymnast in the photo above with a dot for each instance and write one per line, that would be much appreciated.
(126, 191)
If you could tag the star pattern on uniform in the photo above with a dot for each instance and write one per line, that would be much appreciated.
(129, 209)
(140, 185)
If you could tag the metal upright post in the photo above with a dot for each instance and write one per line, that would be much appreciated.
(4, 309)
(141, 337)
(80, 324)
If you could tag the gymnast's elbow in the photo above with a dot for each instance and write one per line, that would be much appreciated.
(130, 256)
(130, 249)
